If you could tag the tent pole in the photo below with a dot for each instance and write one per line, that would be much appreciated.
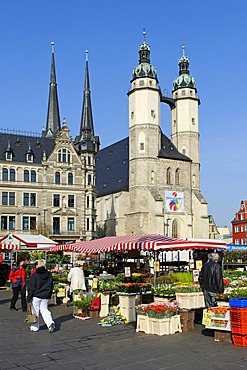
(154, 268)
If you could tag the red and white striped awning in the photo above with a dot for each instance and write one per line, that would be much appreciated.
(139, 242)
(9, 247)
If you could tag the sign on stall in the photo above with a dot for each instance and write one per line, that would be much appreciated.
(127, 272)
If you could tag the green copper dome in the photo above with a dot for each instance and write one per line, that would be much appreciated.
(184, 79)
(145, 68)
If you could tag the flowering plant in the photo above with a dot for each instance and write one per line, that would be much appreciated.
(163, 291)
(107, 285)
(158, 310)
(187, 288)
(134, 287)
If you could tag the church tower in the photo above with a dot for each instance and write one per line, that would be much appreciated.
(185, 118)
(53, 125)
(144, 136)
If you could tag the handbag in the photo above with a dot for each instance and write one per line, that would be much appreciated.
(31, 318)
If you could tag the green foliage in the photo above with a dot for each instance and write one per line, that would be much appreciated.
(108, 285)
(58, 258)
(84, 303)
(235, 256)
(187, 288)
(163, 291)
(235, 274)
(183, 277)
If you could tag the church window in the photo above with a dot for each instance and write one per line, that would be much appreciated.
(26, 176)
(153, 115)
(152, 177)
(70, 178)
(141, 146)
(177, 176)
(193, 180)
(168, 176)
(175, 229)
(5, 174)
(141, 141)
(141, 83)
(193, 121)
(57, 178)
(132, 115)
(184, 151)
(174, 123)
(150, 83)
(183, 92)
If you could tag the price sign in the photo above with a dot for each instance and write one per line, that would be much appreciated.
(207, 316)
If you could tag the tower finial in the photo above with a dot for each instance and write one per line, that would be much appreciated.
(52, 46)
(144, 34)
(183, 49)
(86, 55)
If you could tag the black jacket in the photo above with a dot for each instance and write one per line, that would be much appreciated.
(211, 277)
(40, 284)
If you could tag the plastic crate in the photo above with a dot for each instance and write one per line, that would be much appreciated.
(238, 315)
(239, 329)
(239, 340)
(238, 302)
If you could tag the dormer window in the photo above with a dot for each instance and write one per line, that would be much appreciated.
(29, 157)
(64, 156)
(8, 156)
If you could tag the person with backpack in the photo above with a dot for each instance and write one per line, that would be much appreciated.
(18, 279)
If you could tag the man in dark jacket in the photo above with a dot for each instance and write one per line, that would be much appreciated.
(40, 287)
(211, 279)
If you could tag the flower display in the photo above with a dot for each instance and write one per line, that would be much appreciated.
(107, 285)
(158, 310)
(163, 291)
(187, 288)
(114, 318)
(134, 287)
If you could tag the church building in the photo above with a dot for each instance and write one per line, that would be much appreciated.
(147, 182)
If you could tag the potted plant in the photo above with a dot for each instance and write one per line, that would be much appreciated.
(81, 306)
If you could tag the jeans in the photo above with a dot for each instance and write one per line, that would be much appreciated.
(210, 300)
(16, 291)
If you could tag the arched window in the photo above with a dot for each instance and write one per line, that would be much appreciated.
(5, 174)
(70, 178)
(175, 229)
(177, 176)
(26, 175)
(33, 176)
(12, 174)
(168, 176)
(57, 178)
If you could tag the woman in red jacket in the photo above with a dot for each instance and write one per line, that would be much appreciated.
(18, 278)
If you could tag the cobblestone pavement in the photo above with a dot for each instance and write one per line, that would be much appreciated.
(82, 344)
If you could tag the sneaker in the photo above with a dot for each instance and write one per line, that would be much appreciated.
(13, 309)
(52, 328)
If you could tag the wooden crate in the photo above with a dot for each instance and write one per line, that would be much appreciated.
(222, 336)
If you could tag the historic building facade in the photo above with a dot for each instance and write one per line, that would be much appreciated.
(148, 183)
(47, 181)
(239, 225)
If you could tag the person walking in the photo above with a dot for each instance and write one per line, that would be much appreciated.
(40, 286)
(18, 279)
(211, 280)
(76, 279)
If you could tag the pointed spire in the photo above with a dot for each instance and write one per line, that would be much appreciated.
(184, 79)
(86, 130)
(53, 117)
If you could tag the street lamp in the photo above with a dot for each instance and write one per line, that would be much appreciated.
(167, 226)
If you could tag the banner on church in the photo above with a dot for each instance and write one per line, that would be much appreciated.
(174, 201)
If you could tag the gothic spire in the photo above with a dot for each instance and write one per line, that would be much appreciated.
(87, 130)
(53, 118)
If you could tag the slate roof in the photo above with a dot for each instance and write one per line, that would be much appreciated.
(112, 165)
(112, 168)
(20, 145)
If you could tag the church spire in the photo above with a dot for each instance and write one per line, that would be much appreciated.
(53, 118)
(87, 130)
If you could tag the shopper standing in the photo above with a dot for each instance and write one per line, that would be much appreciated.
(18, 279)
(40, 287)
(211, 279)
(77, 279)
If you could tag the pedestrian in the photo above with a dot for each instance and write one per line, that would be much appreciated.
(211, 280)
(40, 286)
(77, 279)
(18, 279)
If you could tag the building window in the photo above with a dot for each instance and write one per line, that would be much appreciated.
(141, 147)
(33, 176)
(64, 156)
(132, 115)
(11, 198)
(4, 222)
(4, 198)
(177, 176)
(88, 224)
(26, 175)
(89, 161)
(237, 241)
(153, 115)
(183, 92)
(71, 224)
(89, 179)
(57, 178)
(71, 201)
(11, 222)
(29, 157)
(168, 176)
(70, 178)
(93, 202)
(93, 224)
(29, 199)
(56, 225)
(12, 174)
(193, 121)
(5, 174)
(56, 200)
(8, 156)
(88, 200)
(236, 229)
(28, 223)
(242, 228)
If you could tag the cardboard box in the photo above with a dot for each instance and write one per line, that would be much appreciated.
(222, 336)
(187, 326)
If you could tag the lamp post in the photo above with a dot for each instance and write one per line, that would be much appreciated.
(167, 226)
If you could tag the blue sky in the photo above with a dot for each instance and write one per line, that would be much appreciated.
(214, 33)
